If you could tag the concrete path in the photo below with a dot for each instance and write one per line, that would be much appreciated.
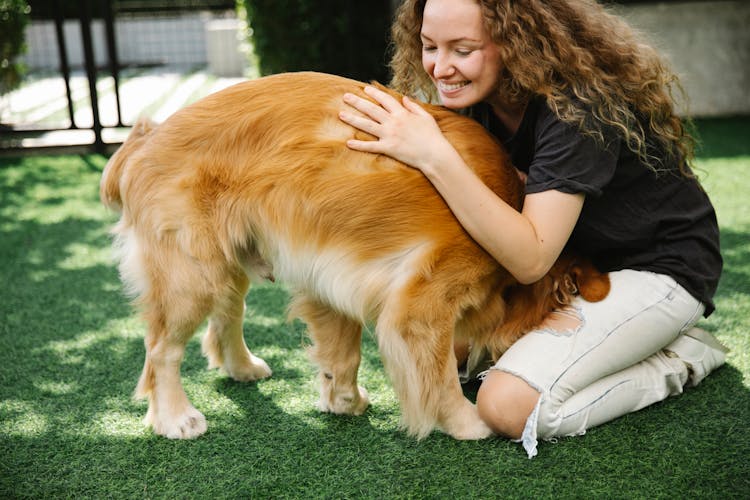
(156, 92)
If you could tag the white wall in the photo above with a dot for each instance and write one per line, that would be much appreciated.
(708, 45)
(176, 41)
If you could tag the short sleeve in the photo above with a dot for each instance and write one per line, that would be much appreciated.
(567, 160)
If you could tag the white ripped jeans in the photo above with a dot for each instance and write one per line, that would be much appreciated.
(611, 364)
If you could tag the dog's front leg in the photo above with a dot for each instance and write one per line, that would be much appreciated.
(337, 352)
(458, 416)
(417, 347)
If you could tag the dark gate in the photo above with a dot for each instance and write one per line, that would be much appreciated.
(13, 136)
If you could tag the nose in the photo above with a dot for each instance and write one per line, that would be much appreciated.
(443, 65)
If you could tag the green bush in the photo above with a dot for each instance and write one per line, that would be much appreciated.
(333, 36)
(14, 15)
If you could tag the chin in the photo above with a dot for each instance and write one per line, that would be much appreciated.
(464, 100)
(457, 103)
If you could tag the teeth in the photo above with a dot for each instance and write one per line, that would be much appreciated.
(452, 86)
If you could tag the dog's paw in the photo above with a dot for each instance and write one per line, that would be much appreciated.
(364, 401)
(187, 425)
(345, 404)
(464, 423)
(254, 368)
(478, 430)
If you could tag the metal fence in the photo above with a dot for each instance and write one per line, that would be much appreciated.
(79, 56)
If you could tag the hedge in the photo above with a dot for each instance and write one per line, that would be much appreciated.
(342, 37)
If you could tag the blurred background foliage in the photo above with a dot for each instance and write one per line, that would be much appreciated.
(14, 16)
(333, 36)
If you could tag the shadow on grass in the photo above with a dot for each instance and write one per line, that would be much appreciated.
(50, 283)
(735, 249)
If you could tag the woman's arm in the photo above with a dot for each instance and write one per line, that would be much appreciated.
(526, 243)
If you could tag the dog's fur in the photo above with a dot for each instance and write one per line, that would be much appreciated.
(256, 182)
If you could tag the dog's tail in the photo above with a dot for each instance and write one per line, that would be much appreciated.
(109, 187)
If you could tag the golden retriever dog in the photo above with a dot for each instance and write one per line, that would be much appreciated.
(256, 182)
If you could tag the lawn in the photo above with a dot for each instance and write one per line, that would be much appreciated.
(71, 351)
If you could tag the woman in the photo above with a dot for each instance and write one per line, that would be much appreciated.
(586, 111)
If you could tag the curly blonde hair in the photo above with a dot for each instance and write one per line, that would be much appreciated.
(587, 63)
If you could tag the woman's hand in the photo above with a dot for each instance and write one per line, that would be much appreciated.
(529, 242)
(404, 130)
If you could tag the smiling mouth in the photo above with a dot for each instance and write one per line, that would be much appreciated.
(452, 87)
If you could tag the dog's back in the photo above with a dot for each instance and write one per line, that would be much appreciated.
(257, 180)
(261, 172)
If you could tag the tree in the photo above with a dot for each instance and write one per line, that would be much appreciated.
(14, 15)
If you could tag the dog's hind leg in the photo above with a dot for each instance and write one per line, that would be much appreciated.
(336, 350)
(172, 314)
(175, 299)
(224, 344)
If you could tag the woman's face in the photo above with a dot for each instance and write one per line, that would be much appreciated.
(458, 53)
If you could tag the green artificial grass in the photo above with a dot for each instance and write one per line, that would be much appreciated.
(71, 351)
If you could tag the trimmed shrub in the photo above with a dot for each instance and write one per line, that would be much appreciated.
(342, 37)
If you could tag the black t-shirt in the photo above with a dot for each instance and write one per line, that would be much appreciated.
(632, 217)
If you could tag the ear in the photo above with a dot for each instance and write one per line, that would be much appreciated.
(592, 285)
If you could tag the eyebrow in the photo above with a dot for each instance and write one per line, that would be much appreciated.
(455, 40)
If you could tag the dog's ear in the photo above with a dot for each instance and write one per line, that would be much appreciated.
(592, 285)
(575, 275)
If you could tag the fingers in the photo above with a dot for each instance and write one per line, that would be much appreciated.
(384, 103)
(396, 125)
(368, 108)
(374, 114)
(365, 146)
(414, 107)
(360, 122)
(386, 100)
